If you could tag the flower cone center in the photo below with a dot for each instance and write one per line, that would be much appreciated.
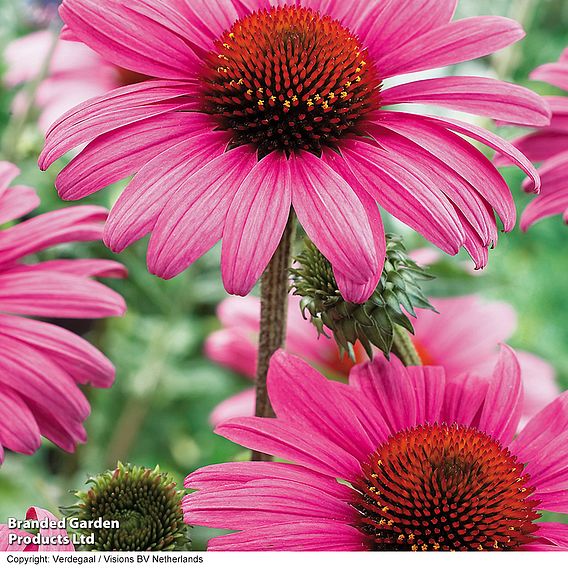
(289, 79)
(440, 487)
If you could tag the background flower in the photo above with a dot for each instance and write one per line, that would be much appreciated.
(375, 435)
(549, 146)
(464, 337)
(42, 364)
(240, 151)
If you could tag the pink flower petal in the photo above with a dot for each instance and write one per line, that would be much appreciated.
(279, 438)
(463, 400)
(263, 200)
(86, 267)
(459, 155)
(455, 42)
(552, 536)
(139, 36)
(135, 213)
(493, 141)
(504, 399)
(429, 384)
(110, 111)
(121, 152)
(57, 295)
(194, 218)
(477, 95)
(303, 397)
(553, 73)
(394, 23)
(301, 536)
(234, 349)
(84, 363)
(18, 429)
(16, 202)
(333, 217)
(8, 172)
(36, 513)
(210, 478)
(387, 179)
(237, 406)
(538, 146)
(263, 502)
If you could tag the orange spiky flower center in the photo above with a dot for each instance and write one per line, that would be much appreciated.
(441, 487)
(289, 79)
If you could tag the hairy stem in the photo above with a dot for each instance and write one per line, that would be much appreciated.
(404, 349)
(273, 317)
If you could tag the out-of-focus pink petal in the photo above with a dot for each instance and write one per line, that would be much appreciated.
(36, 513)
(263, 200)
(77, 357)
(477, 95)
(452, 43)
(86, 267)
(16, 202)
(8, 172)
(553, 73)
(333, 217)
(238, 406)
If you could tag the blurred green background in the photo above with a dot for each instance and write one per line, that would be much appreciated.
(157, 411)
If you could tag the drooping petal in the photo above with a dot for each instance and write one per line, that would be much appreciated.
(85, 267)
(194, 218)
(458, 154)
(263, 201)
(477, 95)
(553, 73)
(237, 406)
(386, 178)
(18, 429)
(333, 217)
(8, 172)
(16, 202)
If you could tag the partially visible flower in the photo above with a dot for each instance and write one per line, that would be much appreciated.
(41, 364)
(257, 108)
(46, 540)
(75, 73)
(144, 502)
(463, 337)
(549, 146)
(41, 13)
(399, 459)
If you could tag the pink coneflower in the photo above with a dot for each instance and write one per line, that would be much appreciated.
(49, 538)
(400, 459)
(550, 146)
(41, 364)
(463, 338)
(258, 106)
(75, 74)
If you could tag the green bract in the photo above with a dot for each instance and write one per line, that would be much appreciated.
(372, 323)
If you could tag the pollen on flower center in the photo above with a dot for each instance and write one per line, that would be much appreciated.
(289, 79)
(440, 487)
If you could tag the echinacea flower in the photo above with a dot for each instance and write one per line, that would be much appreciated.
(75, 74)
(262, 105)
(549, 146)
(42, 364)
(49, 537)
(463, 337)
(399, 459)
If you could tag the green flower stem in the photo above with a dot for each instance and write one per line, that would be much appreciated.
(404, 349)
(275, 286)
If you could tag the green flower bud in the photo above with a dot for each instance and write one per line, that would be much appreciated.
(145, 503)
(372, 323)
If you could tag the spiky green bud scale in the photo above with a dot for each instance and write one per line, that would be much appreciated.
(372, 323)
